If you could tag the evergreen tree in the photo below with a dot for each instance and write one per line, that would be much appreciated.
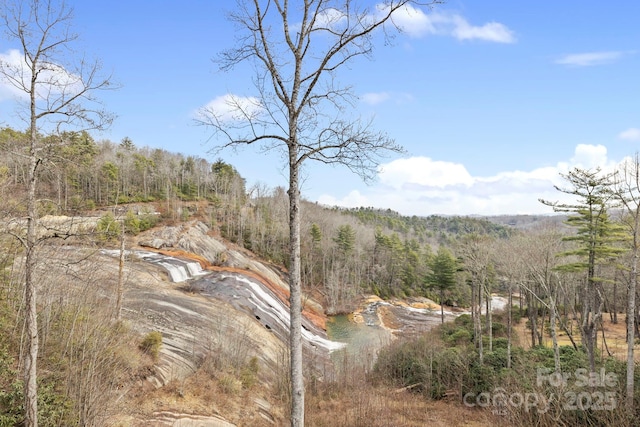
(443, 274)
(346, 239)
(595, 239)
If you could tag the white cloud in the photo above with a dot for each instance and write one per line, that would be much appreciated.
(375, 98)
(492, 31)
(590, 156)
(53, 79)
(230, 108)
(423, 186)
(631, 134)
(10, 62)
(416, 23)
(590, 58)
(330, 18)
(423, 172)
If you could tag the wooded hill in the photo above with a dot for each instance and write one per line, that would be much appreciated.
(571, 278)
(346, 251)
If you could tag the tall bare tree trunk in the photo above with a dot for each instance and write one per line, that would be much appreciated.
(509, 325)
(120, 290)
(479, 323)
(442, 305)
(489, 317)
(295, 296)
(554, 336)
(31, 308)
(41, 28)
(296, 80)
(31, 355)
(631, 317)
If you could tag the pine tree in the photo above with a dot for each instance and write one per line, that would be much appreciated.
(443, 274)
(595, 239)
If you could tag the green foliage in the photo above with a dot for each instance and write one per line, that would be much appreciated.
(151, 344)
(249, 373)
(108, 227)
(423, 367)
(127, 144)
(147, 221)
(464, 320)
(457, 333)
(426, 227)
(345, 239)
(131, 223)
(110, 171)
(316, 234)
(459, 337)
(596, 235)
(496, 359)
(405, 363)
(500, 343)
(10, 391)
(54, 407)
(134, 224)
(443, 272)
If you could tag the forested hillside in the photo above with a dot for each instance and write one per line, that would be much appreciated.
(346, 251)
(570, 281)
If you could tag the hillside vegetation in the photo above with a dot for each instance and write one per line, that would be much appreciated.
(562, 297)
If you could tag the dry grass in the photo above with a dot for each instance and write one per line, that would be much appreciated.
(352, 400)
(205, 395)
(383, 407)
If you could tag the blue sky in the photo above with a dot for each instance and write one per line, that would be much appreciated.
(490, 99)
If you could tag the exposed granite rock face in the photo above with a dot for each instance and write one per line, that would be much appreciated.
(196, 238)
(238, 308)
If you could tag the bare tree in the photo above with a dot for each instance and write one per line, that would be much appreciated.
(474, 250)
(539, 250)
(627, 191)
(56, 94)
(297, 49)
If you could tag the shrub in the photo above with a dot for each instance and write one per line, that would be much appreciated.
(500, 343)
(459, 337)
(131, 223)
(148, 221)
(151, 344)
(464, 320)
(481, 378)
(107, 227)
(404, 363)
(572, 359)
(499, 329)
(497, 358)
(229, 384)
(249, 373)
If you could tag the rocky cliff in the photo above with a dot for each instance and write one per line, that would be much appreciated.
(211, 302)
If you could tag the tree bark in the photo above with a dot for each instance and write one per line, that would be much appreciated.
(120, 290)
(295, 296)
(509, 325)
(442, 305)
(31, 326)
(631, 315)
(31, 321)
